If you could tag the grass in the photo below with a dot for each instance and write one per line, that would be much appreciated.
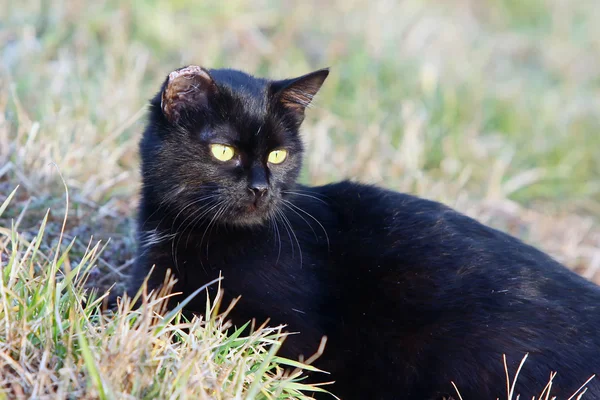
(490, 106)
(57, 342)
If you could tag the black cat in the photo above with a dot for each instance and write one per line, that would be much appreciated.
(411, 294)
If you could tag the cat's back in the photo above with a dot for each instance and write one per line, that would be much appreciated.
(424, 236)
(440, 281)
(389, 221)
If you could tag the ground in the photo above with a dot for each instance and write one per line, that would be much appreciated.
(489, 106)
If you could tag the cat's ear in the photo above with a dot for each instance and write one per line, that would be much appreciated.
(186, 89)
(297, 93)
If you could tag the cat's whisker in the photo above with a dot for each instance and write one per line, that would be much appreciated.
(154, 237)
(196, 201)
(192, 224)
(162, 203)
(279, 214)
(178, 231)
(214, 218)
(298, 193)
(153, 214)
(273, 221)
(289, 203)
(167, 214)
(303, 219)
(310, 192)
(219, 214)
(287, 221)
(197, 215)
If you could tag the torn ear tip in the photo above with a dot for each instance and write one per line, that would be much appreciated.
(190, 67)
(189, 70)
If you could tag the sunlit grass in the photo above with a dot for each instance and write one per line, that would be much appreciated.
(57, 343)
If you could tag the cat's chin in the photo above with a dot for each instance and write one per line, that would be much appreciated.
(247, 218)
(249, 214)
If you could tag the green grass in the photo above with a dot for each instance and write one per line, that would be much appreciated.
(56, 341)
(490, 106)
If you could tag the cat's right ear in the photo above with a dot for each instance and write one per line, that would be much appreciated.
(296, 94)
(186, 89)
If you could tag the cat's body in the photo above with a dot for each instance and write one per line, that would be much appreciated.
(411, 294)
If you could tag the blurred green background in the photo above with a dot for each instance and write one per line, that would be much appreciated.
(491, 106)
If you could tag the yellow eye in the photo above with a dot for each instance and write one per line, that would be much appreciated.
(277, 156)
(222, 152)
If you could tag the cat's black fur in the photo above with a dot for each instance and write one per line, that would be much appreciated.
(411, 294)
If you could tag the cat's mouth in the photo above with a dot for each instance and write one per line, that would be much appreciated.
(257, 208)
(252, 212)
(257, 204)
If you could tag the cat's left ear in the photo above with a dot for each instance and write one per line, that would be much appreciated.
(186, 89)
(297, 93)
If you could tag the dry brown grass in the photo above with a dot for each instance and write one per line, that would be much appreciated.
(56, 342)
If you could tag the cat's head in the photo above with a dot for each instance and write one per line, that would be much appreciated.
(223, 145)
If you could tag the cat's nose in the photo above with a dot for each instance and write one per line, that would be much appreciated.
(258, 190)
(258, 183)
